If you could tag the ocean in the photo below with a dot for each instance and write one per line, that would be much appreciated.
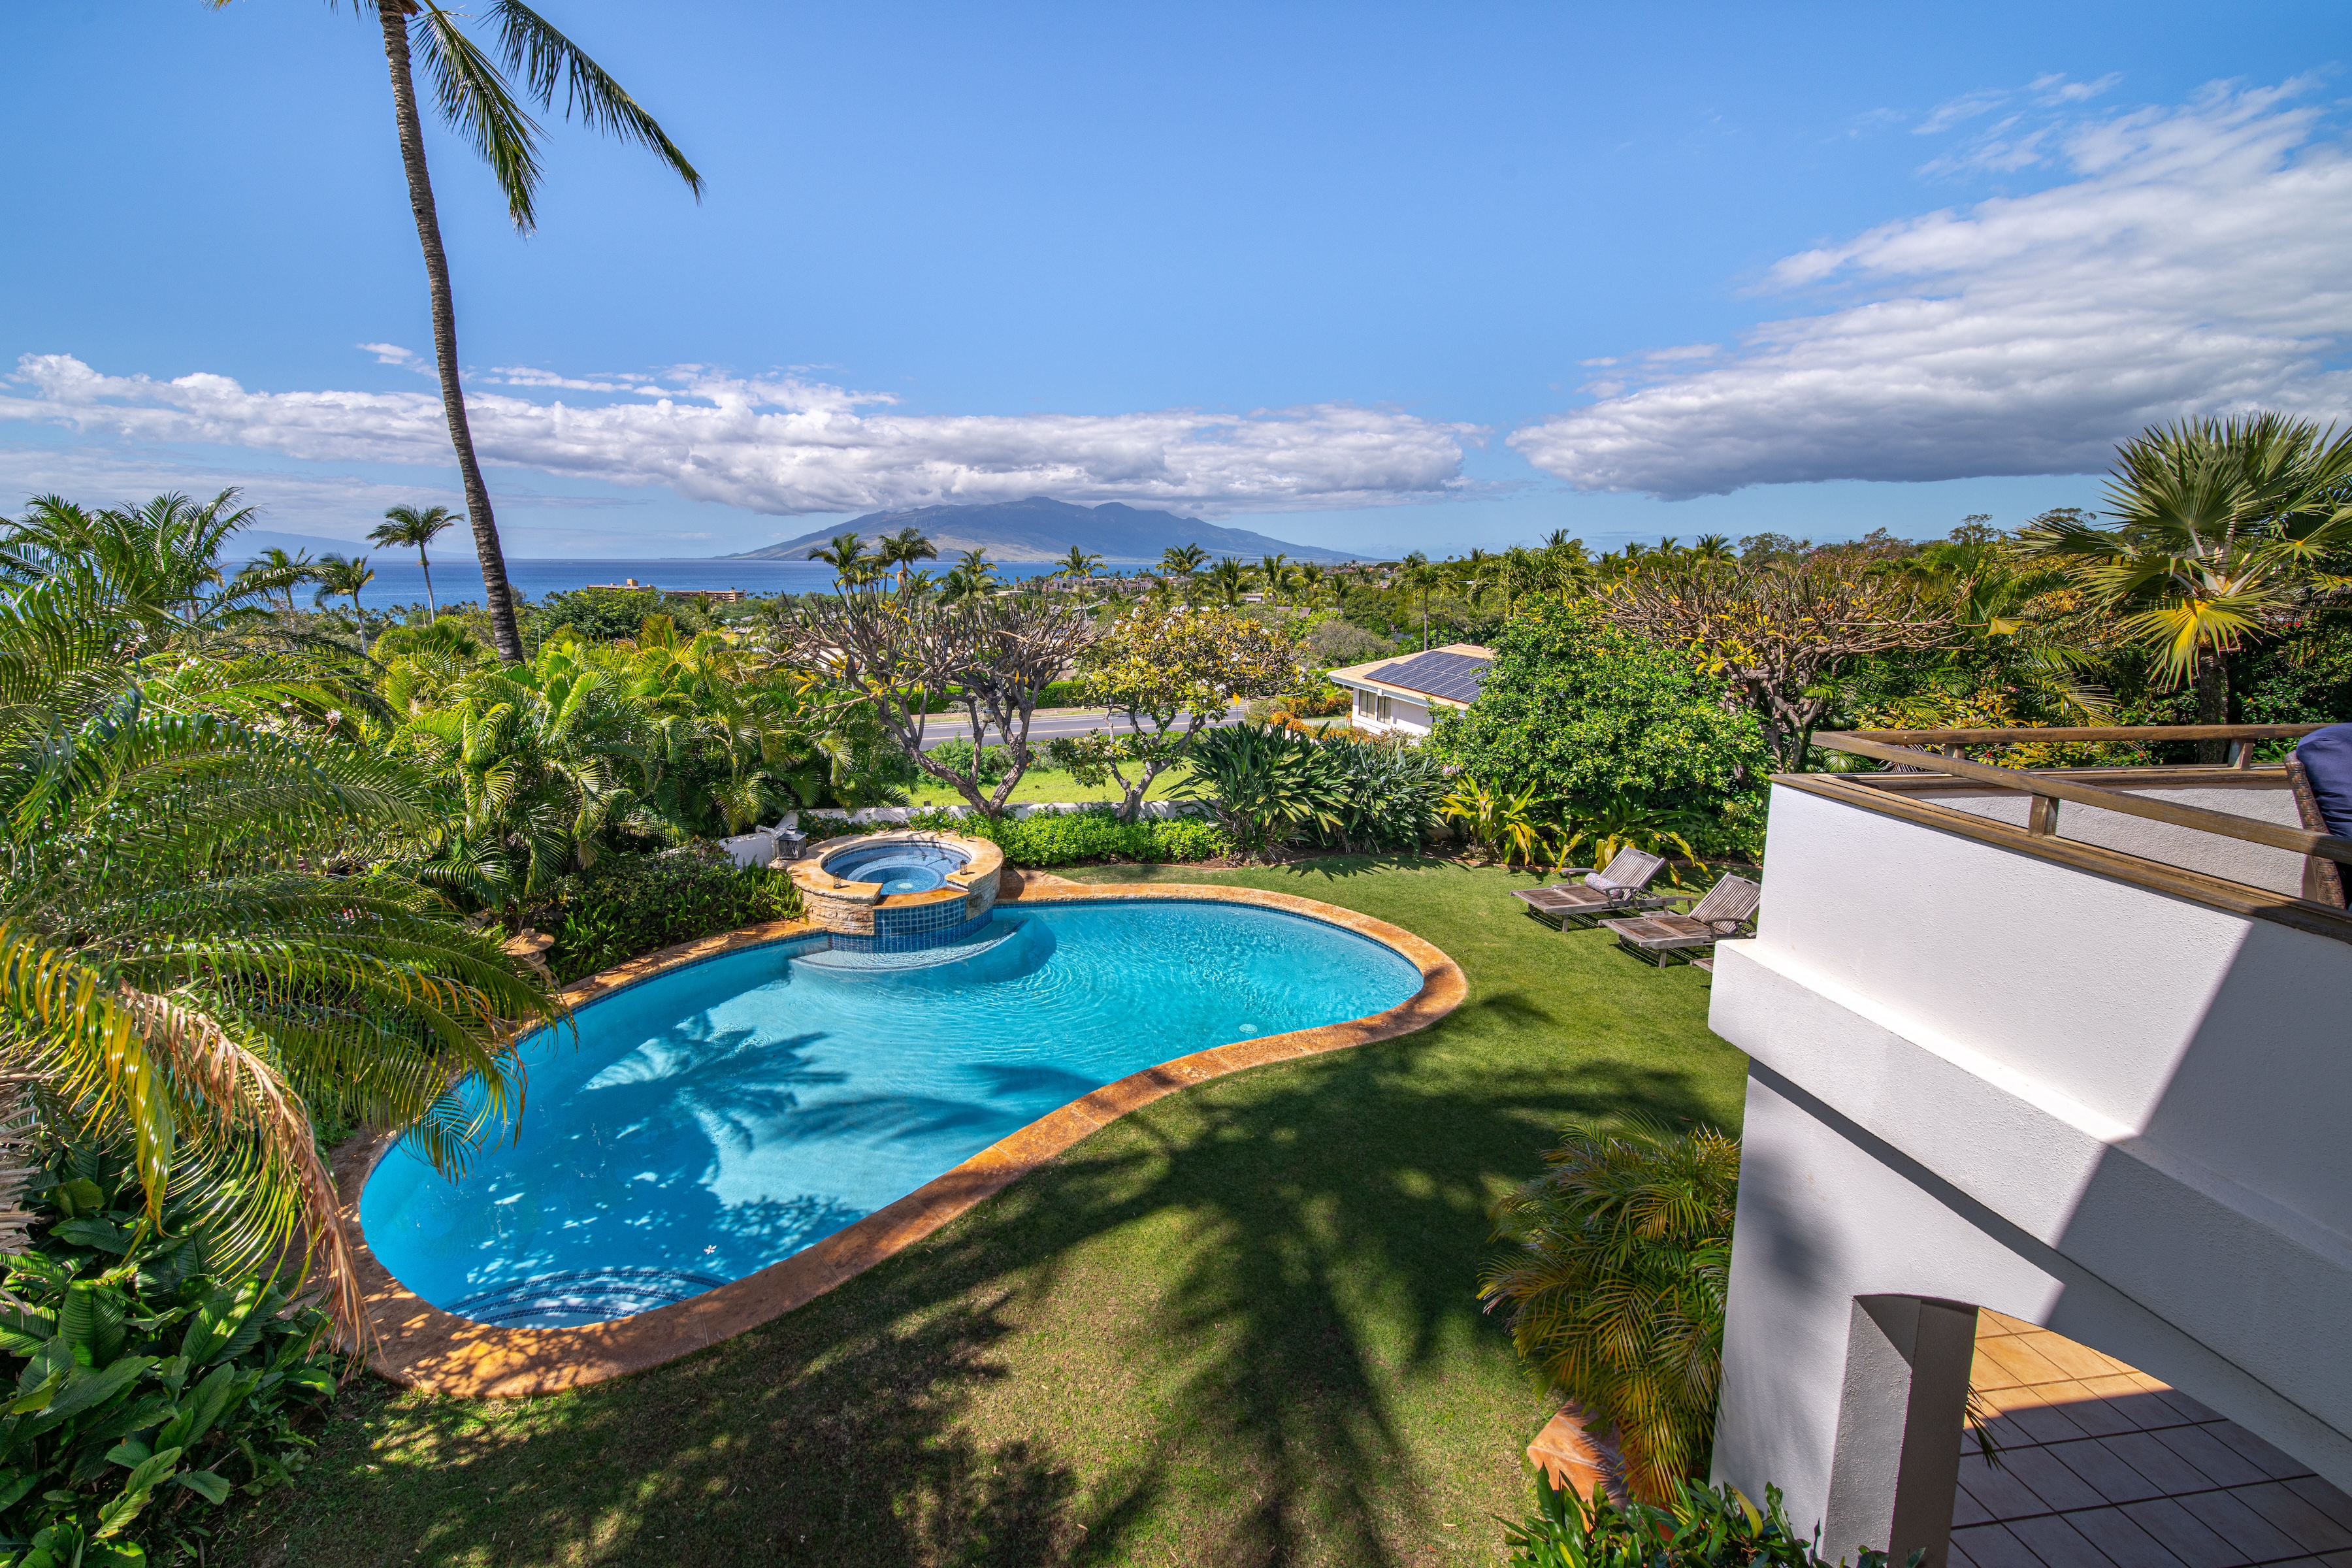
(456, 577)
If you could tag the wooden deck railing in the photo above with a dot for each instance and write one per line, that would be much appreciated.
(1955, 742)
(2047, 788)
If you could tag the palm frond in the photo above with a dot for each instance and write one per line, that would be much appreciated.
(475, 102)
(541, 57)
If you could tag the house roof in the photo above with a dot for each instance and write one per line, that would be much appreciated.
(1451, 673)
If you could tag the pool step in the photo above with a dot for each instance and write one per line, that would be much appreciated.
(844, 959)
(582, 1296)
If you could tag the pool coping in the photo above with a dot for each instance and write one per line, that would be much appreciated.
(419, 1345)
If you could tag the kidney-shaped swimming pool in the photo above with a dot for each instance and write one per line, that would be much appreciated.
(718, 1119)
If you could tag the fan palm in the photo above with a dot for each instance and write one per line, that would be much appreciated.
(2224, 531)
(191, 957)
(410, 528)
(481, 101)
(1616, 1286)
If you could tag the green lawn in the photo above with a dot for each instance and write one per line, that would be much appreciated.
(1235, 1327)
(1041, 784)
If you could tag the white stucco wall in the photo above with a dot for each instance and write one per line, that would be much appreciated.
(1984, 1076)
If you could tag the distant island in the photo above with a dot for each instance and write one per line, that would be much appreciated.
(1040, 528)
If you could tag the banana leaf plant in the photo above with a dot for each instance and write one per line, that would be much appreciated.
(146, 1391)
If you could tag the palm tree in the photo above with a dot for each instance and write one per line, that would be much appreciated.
(902, 549)
(2222, 530)
(1274, 570)
(1182, 560)
(1616, 1284)
(1077, 563)
(273, 568)
(1310, 580)
(1419, 577)
(478, 99)
(1229, 578)
(343, 574)
(970, 577)
(162, 560)
(406, 527)
(847, 556)
(190, 961)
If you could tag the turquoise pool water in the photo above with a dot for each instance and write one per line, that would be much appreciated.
(721, 1118)
(900, 868)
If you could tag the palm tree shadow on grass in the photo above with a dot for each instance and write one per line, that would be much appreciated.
(845, 1432)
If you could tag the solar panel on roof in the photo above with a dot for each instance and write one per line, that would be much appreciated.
(1454, 676)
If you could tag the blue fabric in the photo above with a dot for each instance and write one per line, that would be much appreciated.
(2326, 757)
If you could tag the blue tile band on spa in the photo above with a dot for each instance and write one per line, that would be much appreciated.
(719, 1118)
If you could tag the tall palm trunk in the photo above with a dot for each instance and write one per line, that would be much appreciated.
(431, 606)
(497, 596)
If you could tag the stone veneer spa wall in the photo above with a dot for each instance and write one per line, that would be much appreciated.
(897, 892)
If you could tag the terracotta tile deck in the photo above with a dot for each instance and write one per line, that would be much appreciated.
(2104, 1467)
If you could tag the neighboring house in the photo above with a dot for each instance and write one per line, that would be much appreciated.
(1405, 696)
(2048, 1091)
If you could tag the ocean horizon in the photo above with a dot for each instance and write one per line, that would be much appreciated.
(401, 582)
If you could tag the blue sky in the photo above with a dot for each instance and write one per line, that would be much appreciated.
(1355, 275)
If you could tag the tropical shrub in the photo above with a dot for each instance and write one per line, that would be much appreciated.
(1598, 829)
(1507, 828)
(1698, 1528)
(149, 1389)
(1263, 785)
(1615, 1284)
(630, 904)
(995, 762)
(1581, 710)
(595, 615)
(1076, 837)
(1392, 791)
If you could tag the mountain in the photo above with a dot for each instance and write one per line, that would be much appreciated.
(252, 542)
(1039, 529)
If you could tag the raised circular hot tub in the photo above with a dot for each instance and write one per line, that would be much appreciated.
(897, 892)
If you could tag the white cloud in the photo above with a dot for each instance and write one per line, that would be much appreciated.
(2194, 263)
(788, 446)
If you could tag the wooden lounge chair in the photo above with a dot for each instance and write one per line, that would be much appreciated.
(1728, 910)
(1616, 889)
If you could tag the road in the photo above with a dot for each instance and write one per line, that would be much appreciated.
(1043, 725)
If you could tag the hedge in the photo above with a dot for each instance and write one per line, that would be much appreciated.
(1059, 838)
(630, 904)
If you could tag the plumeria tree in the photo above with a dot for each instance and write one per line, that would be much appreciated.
(894, 656)
(1778, 632)
(1169, 674)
